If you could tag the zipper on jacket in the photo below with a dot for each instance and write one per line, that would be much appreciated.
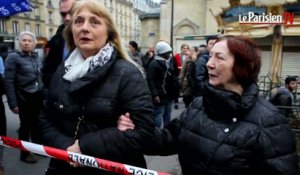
(80, 118)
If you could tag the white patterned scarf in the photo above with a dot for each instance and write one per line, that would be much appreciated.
(76, 66)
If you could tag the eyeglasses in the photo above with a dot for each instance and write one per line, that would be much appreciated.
(63, 14)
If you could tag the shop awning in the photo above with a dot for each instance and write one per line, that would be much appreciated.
(227, 15)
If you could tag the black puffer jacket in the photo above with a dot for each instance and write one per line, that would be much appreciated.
(101, 96)
(229, 134)
(22, 76)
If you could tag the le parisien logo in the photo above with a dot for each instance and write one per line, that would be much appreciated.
(286, 18)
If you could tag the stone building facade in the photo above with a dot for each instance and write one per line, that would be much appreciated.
(44, 19)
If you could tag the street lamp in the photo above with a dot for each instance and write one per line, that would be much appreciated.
(172, 18)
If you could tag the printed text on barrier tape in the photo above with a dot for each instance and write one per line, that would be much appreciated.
(79, 158)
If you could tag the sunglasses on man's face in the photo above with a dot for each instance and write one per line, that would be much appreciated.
(63, 14)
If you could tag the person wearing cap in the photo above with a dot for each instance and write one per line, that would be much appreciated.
(163, 83)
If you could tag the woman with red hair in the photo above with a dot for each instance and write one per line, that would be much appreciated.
(231, 130)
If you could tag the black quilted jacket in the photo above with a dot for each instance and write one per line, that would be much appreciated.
(224, 133)
(101, 96)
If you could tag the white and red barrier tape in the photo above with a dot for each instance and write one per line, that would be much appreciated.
(85, 160)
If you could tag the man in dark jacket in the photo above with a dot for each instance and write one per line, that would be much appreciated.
(56, 47)
(200, 67)
(163, 83)
(148, 57)
(283, 97)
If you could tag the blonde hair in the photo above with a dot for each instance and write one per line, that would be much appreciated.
(97, 8)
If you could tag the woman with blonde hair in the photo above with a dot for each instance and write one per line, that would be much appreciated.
(90, 90)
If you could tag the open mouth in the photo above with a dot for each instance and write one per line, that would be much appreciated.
(212, 75)
(85, 39)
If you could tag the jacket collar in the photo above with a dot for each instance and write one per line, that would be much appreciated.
(223, 104)
(23, 54)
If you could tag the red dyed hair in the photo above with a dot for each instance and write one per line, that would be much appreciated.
(247, 58)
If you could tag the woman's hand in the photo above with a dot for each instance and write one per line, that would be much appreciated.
(157, 99)
(75, 149)
(125, 122)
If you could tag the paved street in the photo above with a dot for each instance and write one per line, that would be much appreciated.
(14, 166)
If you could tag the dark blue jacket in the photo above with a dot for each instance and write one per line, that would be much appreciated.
(201, 74)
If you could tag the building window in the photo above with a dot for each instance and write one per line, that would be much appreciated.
(2, 26)
(50, 32)
(50, 3)
(15, 27)
(27, 27)
(38, 30)
(37, 13)
(50, 16)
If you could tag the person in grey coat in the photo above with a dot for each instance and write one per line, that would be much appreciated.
(23, 84)
(231, 130)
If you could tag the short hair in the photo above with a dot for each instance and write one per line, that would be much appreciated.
(100, 10)
(247, 58)
(30, 34)
(214, 37)
(203, 45)
(134, 45)
(184, 45)
(196, 48)
(289, 79)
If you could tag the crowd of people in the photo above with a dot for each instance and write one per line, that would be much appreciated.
(91, 96)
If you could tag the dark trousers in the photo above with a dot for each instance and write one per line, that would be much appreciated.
(2, 118)
(30, 106)
(2, 128)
